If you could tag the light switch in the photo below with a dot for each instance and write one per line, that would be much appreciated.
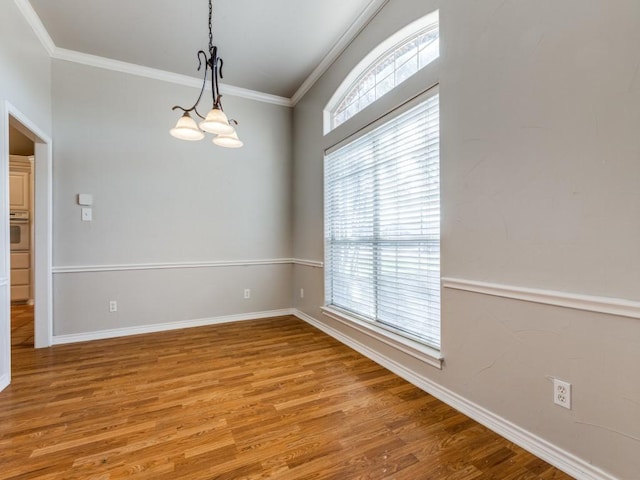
(85, 199)
(87, 215)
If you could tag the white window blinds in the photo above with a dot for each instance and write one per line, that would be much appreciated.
(382, 225)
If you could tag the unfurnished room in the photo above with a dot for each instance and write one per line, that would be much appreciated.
(289, 239)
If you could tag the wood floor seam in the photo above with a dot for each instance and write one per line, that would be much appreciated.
(265, 399)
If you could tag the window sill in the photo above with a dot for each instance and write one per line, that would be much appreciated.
(410, 347)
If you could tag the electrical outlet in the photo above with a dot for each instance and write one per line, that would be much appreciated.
(302, 293)
(562, 393)
(247, 293)
(113, 306)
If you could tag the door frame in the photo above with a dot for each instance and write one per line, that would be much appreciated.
(43, 244)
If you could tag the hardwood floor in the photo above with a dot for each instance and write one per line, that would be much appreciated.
(22, 326)
(271, 398)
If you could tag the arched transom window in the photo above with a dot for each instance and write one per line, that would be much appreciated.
(387, 66)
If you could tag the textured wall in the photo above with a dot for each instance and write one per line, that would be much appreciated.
(25, 84)
(540, 160)
(159, 200)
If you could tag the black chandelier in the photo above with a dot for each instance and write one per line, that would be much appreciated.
(216, 121)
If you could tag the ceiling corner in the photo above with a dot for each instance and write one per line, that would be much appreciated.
(36, 24)
(343, 42)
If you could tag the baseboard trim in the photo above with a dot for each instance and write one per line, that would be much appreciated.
(590, 303)
(4, 382)
(163, 327)
(550, 453)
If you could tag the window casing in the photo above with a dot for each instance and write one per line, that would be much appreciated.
(382, 225)
(382, 198)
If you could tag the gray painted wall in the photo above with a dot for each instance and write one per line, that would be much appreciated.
(157, 198)
(540, 114)
(540, 161)
(25, 83)
(149, 299)
(161, 200)
(26, 68)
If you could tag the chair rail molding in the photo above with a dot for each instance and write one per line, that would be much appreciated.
(178, 265)
(590, 303)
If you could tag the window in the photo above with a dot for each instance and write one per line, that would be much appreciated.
(390, 64)
(382, 224)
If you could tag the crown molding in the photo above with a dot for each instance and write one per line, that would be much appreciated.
(123, 67)
(162, 75)
(57, 53)
(33, 20)
(254, 95)
(356, 27)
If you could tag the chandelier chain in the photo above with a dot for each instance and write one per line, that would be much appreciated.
(210, 26)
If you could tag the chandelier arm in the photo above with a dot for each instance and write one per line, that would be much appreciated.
(204, 83)
(204, 78)
(213, 63)
(218, 76)
(198, 113)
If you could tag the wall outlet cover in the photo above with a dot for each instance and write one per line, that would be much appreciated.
(562, 393)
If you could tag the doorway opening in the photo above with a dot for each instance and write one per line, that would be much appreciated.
(35, 296)
(22, 252)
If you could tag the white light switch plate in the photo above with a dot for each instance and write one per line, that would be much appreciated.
(85, 199)
(87, 215)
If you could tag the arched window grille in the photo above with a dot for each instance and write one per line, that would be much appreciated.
(392, 64)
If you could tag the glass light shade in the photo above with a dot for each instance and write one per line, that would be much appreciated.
(186, 129)
(230, 141)
(216, 122)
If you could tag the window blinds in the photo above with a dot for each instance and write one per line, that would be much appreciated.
(382, 225)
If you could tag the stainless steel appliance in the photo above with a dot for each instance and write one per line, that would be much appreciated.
(19, 230)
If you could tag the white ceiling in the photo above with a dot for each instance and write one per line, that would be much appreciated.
(267, 46)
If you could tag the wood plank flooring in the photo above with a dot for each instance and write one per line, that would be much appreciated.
(22, 326)
(270, 398)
